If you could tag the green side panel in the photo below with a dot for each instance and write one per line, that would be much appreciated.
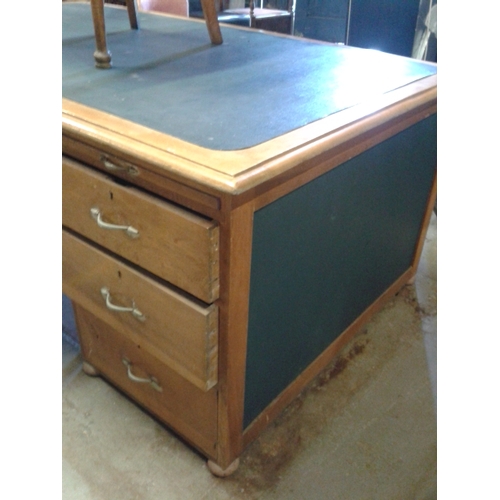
(323, 253)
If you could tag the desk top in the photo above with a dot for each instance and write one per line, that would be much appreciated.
(229, 107)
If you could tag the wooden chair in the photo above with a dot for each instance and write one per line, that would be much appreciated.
(102, 55)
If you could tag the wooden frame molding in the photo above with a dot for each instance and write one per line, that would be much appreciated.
(236, 241)
(234, 172)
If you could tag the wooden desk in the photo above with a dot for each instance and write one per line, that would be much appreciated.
(233, 214)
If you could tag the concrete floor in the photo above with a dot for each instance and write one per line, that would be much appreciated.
(364, 429)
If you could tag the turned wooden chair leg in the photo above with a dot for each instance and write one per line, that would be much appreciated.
(210, 13)
(102, 55)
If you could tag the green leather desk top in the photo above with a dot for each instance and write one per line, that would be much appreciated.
(254, 87)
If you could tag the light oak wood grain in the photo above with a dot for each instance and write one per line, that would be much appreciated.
(173, 243)
(178, 331)
(144, 176)
(186, 409)
(236, 250)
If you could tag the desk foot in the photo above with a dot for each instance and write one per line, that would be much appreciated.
(89, 369)
(217, 471)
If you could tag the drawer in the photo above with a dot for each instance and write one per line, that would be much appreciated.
(179, 331)
(176, 245)
(189, 411)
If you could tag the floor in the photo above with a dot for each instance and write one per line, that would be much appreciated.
(364, 429)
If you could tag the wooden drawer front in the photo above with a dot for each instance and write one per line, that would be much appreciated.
(189, 411)
(180, 332)
(174, 244)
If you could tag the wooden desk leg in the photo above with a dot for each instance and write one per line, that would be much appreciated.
(102, 55)
(210, 14)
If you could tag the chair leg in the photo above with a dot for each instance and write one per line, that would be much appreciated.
(253, 20)
(210, 14)
(132, 14)
(102, 56)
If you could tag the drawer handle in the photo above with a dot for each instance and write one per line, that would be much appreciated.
(96, 214)
(109, 165)
(151, 380)
(106, 295)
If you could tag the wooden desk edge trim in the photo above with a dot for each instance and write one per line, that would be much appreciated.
(234, 172)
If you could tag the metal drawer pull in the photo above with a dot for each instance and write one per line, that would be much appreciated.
(129, 169)
(151, 380)
(96, 214)
(106, 295)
